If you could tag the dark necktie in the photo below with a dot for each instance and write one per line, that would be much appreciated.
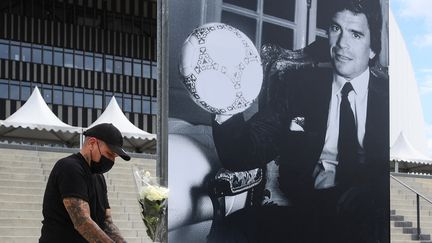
(347, 142)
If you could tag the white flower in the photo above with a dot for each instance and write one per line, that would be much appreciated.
(154, 193)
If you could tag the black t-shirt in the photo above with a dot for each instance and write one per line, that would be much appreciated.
(71, 177)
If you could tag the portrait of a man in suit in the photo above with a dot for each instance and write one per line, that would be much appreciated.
(328, 131)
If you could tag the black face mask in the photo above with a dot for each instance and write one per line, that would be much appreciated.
(104, 164)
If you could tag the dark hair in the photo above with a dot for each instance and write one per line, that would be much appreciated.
(370, 8)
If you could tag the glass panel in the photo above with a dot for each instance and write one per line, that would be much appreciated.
(127, 66)
(58, 58)
(250, 4)
(57, 97)
(118, 66)
(78, 61)
(108, 65)
(245, 24)
(146, 70)
(78, 99)
(68, 98)
(68, 59)
(88, 62)
(15, 53)
(146, 105)
(154, 71)
(37, 55)
(14, 92)
(278, 35)
(4, 89)
(47, 57)
(119, 100)
(98, 64)
(98, 102)
(137, 69)
(25, 54)
(4, 51)
(154, 107)
(137, 105)
(47, 95)
(282, 9)
(25, 92)
(88, 100)
(127, 105)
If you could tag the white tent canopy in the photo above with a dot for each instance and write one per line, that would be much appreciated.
(402, 150)
(133, 136)
(35, 121)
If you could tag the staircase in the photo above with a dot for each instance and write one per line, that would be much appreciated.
(403, 209)
(23, 176)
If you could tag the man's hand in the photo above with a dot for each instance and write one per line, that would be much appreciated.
(111, 229)
(79, 212)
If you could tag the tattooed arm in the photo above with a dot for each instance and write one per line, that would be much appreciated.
(79, 212)
(111, 229)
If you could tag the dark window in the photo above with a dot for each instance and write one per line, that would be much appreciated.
(15, 53)
(88, 60)
(57, 97)
(283, 9)
(37, 55)
(137, 69)
(47, 56)
(250, 4)
(278, 35)
(58, 57)
(78, 60)
(245, 24)
(4, 89)
(4, 51)
(108, 96)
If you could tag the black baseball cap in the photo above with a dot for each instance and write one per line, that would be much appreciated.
(108, 133)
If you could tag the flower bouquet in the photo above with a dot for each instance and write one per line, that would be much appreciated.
(153, 200)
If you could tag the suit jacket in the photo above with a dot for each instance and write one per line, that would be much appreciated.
(266, 136)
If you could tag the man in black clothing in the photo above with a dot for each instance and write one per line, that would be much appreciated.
(75, 204)
(330, 136)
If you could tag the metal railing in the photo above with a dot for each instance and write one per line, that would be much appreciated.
(418, 195)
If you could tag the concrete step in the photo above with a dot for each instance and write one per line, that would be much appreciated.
(19, 239)
(20, 213)
(21, 176)
(21, 222)
(23, 183)
(22, 190)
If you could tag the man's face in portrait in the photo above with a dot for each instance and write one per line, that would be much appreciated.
(349, 39)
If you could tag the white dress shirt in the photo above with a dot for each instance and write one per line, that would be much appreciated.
(326, 168)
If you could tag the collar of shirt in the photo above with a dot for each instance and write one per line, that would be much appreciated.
(360, 83)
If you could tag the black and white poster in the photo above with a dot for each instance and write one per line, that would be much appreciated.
(278, 121)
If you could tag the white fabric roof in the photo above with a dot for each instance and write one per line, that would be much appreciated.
(134, 137)
(402, 150)
(406, 114)
(35, 121)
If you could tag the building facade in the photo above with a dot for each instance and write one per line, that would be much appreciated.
(80, 53)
